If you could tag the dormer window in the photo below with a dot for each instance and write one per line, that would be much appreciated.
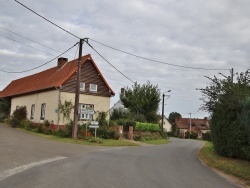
(82, 86)
(93, 87)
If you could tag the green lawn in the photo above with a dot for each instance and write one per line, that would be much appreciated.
(156, 142)
(235, 167)
(105, 142)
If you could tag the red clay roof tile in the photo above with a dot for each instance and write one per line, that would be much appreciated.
(47, 79)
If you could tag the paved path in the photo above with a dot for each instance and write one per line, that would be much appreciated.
(172, 165)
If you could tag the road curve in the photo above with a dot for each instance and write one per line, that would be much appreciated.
(173, 165)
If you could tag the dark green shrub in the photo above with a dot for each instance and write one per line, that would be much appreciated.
(194, 135)
(206, 136)
(165, 135)
(18, 115)
(3, 116)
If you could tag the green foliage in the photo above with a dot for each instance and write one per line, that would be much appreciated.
(5, 106)
(171, 118)
(66, 109)
(119, 114)
(245, 116)
(102, 119)
(126, 122)
(104, 132)
(142, 99)
(206, 136)
(17, 116)
(147, 127)
(194, 135)
(223, 99)
(94, 140)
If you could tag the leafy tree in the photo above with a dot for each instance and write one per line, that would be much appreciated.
(102, 119)
(142, 99)
(119, 114)
(66, 109)
(223, 99)
(172, 116)
(4, 108)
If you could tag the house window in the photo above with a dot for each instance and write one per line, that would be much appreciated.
(43, 107)
(32, 112)
(82, 112)
(93, 87)
(82, 86)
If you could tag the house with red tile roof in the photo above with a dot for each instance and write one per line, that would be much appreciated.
(42, 92)
(197, 125)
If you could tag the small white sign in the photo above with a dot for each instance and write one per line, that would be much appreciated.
(94, 123)
(83, 111)
(94, 126)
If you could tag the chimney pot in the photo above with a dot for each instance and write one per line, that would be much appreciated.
(61, 62)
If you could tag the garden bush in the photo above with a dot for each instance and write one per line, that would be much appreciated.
(194, 135)
(147, 127)
(206, 136)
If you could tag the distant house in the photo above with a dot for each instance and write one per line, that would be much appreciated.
(118, 105)
(166, 125)
(42, 92)
(197, 125)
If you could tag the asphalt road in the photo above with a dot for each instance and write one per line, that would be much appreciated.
(173, 165)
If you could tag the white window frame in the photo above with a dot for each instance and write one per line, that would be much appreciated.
(93, 89)
(32, 111)
(85, 107)
(43, 108)
(83, 86)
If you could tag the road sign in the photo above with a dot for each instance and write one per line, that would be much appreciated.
(94, 126)
(94, 123)
(84, 111)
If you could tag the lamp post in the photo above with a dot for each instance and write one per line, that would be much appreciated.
(162, 114)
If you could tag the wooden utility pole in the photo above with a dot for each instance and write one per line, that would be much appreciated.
(162, 114)
(189, 125)
(75, 122)
(232, 75)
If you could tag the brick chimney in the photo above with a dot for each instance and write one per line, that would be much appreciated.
(122, 92)
(61, 61)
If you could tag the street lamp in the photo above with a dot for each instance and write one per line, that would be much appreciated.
(162, 114)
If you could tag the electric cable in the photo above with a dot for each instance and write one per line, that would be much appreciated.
(39, 65)
(86, 40)
(47, 19)
(27, 45)
(31, 40)
(156, 61)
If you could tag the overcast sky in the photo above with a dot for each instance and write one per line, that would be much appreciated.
(193, 33)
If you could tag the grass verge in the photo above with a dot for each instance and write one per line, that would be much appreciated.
(237, 168)
(105, 142)
(156, 142)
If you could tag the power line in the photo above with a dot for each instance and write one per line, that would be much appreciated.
(40, 65)
(26, 45)
(30, 39)
(156, 61)
(108, 61)
(47, 20)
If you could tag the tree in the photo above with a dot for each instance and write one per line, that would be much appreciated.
(223, 99)
(172, 116)
(66, 109)
(4, 108)
(142, 100)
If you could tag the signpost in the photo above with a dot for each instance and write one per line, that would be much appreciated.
(95, 125)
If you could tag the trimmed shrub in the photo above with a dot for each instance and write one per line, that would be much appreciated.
(147, 127)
